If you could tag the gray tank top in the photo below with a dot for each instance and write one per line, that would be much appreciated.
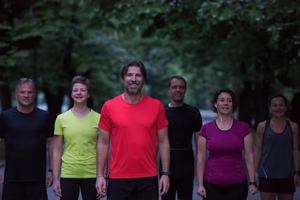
(277, 153)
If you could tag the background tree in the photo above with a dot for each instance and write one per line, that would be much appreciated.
(249, 46)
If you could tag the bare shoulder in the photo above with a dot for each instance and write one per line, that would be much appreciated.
(261, 126)
(294, 126)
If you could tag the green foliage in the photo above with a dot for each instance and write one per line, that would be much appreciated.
(213, 44)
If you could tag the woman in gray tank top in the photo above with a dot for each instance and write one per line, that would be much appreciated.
(277, 155)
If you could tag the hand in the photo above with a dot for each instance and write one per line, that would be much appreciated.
(49, 179)
(164, 184)
(296, 179)
(201, 191)
(56, 188)
(101, 186)
(252, 189)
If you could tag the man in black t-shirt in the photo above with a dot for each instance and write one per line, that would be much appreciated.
(25, 130)
(184, 122)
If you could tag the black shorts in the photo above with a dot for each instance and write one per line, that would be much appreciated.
(226, 192)
(276, 185)
(35, 190)
(133, 189)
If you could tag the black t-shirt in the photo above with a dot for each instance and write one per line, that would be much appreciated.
(25, 138)
(183, 122)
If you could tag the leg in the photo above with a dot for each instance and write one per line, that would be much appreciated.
(147, 188)
(88, 190)
(286, 189)
(69, 188)
(119, 189)
(13, 191)
(268, 188)
(286, 196)
(214, 191)
(185, 188)
(172, 191)
(267, 196)
(36, 190)
(237, 191)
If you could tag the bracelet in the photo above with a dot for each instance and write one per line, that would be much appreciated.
(253, 183)
(50, 170)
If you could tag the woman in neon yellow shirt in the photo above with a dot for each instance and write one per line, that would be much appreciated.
(74, 146)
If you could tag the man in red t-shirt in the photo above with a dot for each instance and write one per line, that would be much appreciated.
(135, 125)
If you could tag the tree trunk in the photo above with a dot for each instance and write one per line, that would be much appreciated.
(5, 96)
(246, 105)
(260, 99)
(54, 102)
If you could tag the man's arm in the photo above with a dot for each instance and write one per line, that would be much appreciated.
(49, 177)
(195, 137)
(164, 150)
(102, 155)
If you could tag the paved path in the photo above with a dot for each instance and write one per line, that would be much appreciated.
(51, 196)
(195, 197)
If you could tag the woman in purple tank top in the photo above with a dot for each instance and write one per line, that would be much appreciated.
(227, 143)
(277, 153)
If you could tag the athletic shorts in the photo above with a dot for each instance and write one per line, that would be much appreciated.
(133, 189)
(35, 190)
(276, 185)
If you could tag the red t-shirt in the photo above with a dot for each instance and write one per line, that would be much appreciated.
(133, 129)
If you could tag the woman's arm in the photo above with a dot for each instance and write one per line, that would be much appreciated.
(56, 153)
(295, 130)
(249, 158)
(200, 167)
(259, 141)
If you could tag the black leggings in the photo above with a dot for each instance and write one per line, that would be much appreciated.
(226, 192)
(182, 186)
(70, 188)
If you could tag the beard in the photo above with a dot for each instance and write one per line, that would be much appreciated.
(133, 90)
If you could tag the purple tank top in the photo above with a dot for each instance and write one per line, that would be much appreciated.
(225, 164)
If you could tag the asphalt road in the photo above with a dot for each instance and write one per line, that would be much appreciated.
(51, 196)
(195, 196)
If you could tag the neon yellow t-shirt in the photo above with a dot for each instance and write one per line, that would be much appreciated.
(80, 139)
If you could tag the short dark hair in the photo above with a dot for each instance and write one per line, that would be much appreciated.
(25, 80)
(81, 79)
(228, 91)
(179, 78)
(280, 96)
(134, 63)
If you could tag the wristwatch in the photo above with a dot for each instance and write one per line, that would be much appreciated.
(166, 173)
(253, 183)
